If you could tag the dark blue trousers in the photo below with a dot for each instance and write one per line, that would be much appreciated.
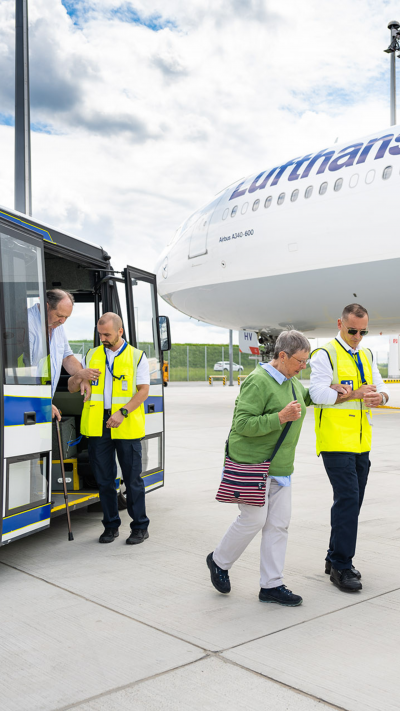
(348, 474)
(102, 460)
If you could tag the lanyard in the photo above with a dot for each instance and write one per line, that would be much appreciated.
(358, 362)
(111, 370)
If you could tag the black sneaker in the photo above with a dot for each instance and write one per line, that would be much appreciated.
(328, 568)
(281, 595)
(219, 577)
(137, 535)
(108, 535)
(345, 580)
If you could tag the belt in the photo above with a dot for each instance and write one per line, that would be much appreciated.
(107, 413)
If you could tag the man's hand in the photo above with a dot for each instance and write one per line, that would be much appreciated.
(290, 413)
(342, 389)
(55, 413)
(115, 420)
(86, 390)
(373, 400)
(363, 391)
(88, 374)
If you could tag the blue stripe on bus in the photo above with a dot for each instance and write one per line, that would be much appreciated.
(39, 230)
(153, 400)
(15, 407)
(156, 478)
(25, 518)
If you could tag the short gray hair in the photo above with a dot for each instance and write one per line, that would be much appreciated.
(291, 342)
(54, 296)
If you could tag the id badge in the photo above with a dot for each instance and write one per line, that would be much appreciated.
(369, 417)
(95, 383)
(124, 385)
(347, 382)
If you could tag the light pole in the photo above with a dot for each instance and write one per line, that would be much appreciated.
(22, 175)
(394, 46)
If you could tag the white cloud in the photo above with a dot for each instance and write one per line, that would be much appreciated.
(145, 125)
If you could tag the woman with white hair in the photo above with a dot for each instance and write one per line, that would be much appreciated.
(265, 404)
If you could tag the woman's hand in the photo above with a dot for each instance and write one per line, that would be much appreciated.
(290, 413)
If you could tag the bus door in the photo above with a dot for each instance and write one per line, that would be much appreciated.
(144, 333)
(26, 389)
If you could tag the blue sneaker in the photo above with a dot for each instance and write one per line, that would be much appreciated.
(219, 577)
(280, 595)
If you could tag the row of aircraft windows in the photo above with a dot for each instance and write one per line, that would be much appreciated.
(370, 176)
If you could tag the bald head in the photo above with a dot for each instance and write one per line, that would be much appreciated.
(110, 330)
(110, 316)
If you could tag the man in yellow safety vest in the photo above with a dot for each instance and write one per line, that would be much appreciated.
(113, 420)
(343, 429)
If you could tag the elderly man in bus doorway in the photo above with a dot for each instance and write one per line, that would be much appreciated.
(343, 429)
(59, 308)
(113, 419)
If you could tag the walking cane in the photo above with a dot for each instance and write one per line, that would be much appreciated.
(70, 534)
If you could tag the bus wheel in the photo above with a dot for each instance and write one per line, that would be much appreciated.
(122, 503)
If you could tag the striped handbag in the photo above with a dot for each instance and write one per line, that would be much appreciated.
(246, 483)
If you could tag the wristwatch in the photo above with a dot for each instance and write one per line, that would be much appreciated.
(124, 411)
(384, 400)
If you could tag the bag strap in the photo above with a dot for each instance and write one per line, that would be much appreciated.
(281, 437)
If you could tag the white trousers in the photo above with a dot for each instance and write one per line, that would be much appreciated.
(272, 520)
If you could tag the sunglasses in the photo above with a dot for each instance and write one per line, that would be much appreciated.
(354, 331)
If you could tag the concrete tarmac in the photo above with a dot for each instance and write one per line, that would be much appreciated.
(115, 627)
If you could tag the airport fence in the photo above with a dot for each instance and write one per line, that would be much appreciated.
(197, 361)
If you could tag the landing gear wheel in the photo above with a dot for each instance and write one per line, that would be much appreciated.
(122, 502)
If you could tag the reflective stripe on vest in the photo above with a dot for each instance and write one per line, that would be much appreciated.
(344, 427)
(123, 389)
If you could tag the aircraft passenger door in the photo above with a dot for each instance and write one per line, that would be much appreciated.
(142, 312)
(26, 387)
(198, 239)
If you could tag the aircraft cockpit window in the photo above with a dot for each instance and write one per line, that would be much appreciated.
(370, 177)
(256, 205)
(294, 195)
(244, 207)
(268, 201)
(234, 211)
(387, 172)
(308, 191)
(338, 184)
(281, 198)
(323, 188)
(225, 213)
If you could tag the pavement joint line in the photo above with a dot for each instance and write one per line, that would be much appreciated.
(106, 607)
(311, 619)
(279, 683)
(131, 684)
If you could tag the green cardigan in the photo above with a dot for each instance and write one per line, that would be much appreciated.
(256, 427)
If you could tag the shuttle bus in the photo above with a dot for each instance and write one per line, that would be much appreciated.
(34, 258)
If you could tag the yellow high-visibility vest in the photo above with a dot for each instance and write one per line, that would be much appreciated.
(344, 427)
(123, 389)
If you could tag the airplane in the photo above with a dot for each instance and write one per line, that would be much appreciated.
(288, 247)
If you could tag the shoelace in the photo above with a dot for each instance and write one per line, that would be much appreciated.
(283, 588)
(222, 574)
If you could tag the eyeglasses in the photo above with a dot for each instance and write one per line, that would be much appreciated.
(354, 331)
(302, 361)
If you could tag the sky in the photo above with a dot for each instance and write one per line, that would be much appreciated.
(142, 111)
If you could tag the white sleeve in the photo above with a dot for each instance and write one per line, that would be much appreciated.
(377, 379)
(143, 371)
(321, 380)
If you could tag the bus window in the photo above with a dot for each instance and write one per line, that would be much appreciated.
(23, 302)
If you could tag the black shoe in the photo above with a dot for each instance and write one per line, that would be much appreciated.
(137, 535)
(281, 595)
(108, 535)
(328, 567)
(219, 577)
(345, 580)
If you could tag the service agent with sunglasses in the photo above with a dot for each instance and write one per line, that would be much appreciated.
(264, 405)
(113, 420)
(343, 429)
